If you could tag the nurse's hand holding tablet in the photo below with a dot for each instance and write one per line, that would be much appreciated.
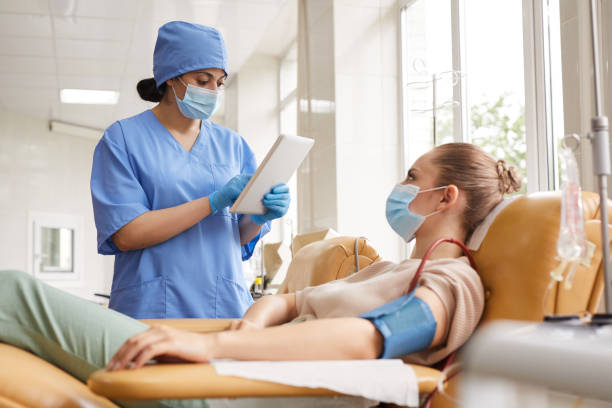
(276, 202)
(229, 193)
(161, 183)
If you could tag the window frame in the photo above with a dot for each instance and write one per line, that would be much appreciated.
(542, 81)
(37, 221)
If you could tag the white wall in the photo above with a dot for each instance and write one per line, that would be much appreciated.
(348, 87)
(317, 177)
(252, 110)
(368, 139)
(257, 102)
(46, 172)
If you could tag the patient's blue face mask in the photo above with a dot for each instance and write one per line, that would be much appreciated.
(198, 103)
(400, 218)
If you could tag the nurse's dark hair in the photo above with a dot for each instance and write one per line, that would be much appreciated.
(483, 179)
(148, 90)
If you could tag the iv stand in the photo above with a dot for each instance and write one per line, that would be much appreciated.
(600, 145)
(601, 162)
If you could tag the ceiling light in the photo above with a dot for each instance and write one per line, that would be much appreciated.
(89, 96)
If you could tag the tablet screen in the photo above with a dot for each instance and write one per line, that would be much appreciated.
(282, 160)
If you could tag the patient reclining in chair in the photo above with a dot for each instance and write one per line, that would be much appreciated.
(370, 314)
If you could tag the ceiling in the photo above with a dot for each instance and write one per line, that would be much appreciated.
(46, 45)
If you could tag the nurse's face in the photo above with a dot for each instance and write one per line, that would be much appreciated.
(209, 78)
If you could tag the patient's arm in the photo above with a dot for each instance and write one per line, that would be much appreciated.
(324, 339)
(439, 314)
(268, 311)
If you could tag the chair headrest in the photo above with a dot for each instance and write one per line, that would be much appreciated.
(481, 230)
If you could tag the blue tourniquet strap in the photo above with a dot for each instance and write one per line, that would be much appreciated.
(406, 323)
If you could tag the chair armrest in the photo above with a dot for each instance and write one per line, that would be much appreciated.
(193, 325)
(27, 380)
(181, 381)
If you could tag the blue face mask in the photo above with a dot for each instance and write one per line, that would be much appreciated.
(399, 216)
(198, 103)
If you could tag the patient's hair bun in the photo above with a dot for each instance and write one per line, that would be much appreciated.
(509, 180)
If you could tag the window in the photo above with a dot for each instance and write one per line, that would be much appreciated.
(487, 73)
(55, 252)
(495, 81)
(428, 75)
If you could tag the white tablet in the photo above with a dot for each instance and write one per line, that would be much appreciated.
(282, 160)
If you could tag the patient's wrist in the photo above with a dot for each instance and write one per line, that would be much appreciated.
(212, 345)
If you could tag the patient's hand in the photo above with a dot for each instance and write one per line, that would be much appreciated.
(163, 343)
(243, 324)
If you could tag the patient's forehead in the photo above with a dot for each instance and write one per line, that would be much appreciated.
(425, 166)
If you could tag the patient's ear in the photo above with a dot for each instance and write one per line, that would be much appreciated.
(450, 196)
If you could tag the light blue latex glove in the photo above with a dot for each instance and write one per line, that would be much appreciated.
(276, 201)
(226, 196)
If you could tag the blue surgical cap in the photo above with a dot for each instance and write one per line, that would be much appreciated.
(184, 47)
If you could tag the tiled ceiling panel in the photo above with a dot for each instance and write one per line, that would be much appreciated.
(90, 67)
(89, 82)
(27, 65)
(25, 6)
(25, 25)
(110, 9)
(36, 101)
(81, 114)
(86, 28)
(47, 45)
(32, 46)
(92, 49)
(22, 80)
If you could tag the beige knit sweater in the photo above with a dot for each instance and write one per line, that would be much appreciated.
(457, 285)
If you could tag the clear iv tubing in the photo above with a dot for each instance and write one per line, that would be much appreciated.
(433, 246)
(445, 377)
(571, 245)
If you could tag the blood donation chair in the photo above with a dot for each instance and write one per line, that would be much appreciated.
(514, 261)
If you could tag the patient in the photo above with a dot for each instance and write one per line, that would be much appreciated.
(458, 184)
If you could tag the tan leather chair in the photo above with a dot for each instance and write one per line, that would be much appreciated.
(514, 262)
(517, 256)
(29, 381)
(327, 260)
(314, 264)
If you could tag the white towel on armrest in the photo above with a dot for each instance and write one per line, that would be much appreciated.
(380, 380)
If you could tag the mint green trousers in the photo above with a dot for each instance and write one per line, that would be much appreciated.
(71, 333)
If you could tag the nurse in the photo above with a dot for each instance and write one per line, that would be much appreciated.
(162, 182)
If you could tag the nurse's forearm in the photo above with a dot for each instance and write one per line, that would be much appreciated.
(325, 339)
(154, 227)
(248, 230)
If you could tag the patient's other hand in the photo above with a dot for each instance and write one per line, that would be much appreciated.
(243, 324)
(165, 344)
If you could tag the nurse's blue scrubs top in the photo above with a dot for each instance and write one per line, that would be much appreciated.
(138, 166)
